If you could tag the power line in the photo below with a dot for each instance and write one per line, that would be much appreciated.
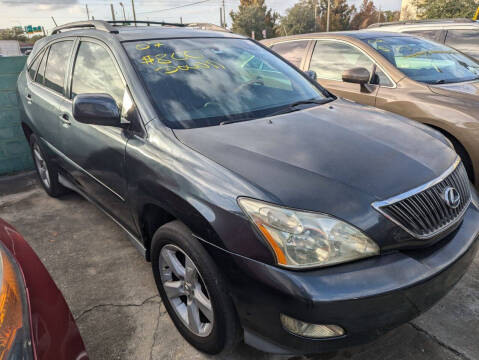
(176, 7)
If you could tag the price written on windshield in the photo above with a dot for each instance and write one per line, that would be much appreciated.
(170, 63)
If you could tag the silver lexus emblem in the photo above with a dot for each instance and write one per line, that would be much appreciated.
(452, 197)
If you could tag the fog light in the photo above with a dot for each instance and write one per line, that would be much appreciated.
(310, 330)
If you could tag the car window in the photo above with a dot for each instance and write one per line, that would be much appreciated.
(34, 67)
(293, 51)
(331, 58)
(57, 64)
(427, 34)
(466, 41)
(204, 82)
(426, 61)
(95, 72)
(41, 70)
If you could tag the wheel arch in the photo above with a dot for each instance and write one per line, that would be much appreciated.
(461, 150)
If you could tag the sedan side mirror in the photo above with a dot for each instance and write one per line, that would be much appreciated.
(96, 109)
(358, 75)
(311, 74)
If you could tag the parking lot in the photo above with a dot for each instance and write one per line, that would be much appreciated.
(112, 295)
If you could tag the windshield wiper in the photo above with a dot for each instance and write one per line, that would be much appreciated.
(293, 106)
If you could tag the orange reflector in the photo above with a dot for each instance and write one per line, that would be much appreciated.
(280, 257)
(11, 312)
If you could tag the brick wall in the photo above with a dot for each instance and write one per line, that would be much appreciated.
(14, 150)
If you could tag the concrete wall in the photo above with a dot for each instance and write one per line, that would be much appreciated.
(14, 150)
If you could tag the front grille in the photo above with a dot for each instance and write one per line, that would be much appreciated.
(424, 212)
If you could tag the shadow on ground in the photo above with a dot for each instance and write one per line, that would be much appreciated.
(111, 292)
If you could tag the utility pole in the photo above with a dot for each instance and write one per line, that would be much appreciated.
(379, 15)
(112, 12)
(224, 15)
(181, 20)
(327, 20)
(134, 13)
(123, 7)
(315, 16)
(221, 17)
(87, 12)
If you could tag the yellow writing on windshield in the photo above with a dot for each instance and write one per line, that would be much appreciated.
(142, 47)
(171, 63)
(196, 65)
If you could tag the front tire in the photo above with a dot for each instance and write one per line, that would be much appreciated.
(193, 290)
(46, 171)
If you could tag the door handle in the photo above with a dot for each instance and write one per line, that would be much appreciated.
(65, 119)
(29, 98)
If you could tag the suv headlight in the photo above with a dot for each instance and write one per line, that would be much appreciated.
(302, 239)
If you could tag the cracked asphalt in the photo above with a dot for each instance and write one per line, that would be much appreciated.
(112, 295)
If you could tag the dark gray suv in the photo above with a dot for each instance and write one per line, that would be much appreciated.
(271, 210)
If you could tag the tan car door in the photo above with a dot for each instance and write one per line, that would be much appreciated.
(330, 58)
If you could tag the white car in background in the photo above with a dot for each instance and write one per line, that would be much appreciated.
(10, 48)
(461, 34)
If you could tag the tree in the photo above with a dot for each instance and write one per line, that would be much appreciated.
(14, 33)
(253, 15)
(340, 15)
(390, 15)
(366, 16)
(446, 9)
(301, 18)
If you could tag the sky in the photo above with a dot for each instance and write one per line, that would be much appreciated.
(39, 12)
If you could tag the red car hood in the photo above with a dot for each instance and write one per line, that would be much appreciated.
(53, 330)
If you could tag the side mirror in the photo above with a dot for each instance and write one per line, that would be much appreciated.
(96, 109)
(357, 75)
(311, 74)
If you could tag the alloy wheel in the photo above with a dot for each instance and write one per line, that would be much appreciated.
(186, 290)
(41, 166)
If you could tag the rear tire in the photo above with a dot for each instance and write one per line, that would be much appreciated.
(175, 255)
(46, 171)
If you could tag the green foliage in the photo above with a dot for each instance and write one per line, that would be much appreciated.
(17, 33)
(301, 17)
(442, 9)
(253, 15)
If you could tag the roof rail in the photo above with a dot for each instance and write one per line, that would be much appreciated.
(429, 21)
(96, 24)
(147, 23)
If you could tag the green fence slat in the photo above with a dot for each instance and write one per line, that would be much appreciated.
(14, 150)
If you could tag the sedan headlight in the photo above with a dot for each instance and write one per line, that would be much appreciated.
(301, 239)
(15, 340)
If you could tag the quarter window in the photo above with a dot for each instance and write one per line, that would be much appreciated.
(466, 41)
(33, 69)
(293, 51)
(427, 34)
(331, 58)
(95, 72)
(41, 70)
(57, 65)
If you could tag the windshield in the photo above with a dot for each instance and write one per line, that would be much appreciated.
(202, 82)
(426, 61)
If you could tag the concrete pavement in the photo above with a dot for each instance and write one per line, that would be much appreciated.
(112, 295)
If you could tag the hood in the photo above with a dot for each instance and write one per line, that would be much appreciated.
(467, 91)
(340, 145)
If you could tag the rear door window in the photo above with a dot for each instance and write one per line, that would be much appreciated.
(57, 64)
(95, 72)
(466, 41)
(293, 51)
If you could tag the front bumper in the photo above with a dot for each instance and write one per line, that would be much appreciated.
(366, 298)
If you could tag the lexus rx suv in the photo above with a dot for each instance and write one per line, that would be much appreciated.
(271, 211)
